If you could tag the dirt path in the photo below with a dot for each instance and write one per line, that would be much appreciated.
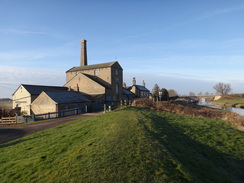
(9, 133)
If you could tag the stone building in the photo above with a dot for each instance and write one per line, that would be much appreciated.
(140, 91)
(104, 80)
(26, 94)
(98, 83)
(56, 101)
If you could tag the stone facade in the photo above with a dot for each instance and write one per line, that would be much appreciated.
(140, 91)
(23, 99)
(26, 94)
(43, 104)
(106, 78)
(57, 101)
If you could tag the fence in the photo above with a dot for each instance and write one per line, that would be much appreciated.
(8, 120)
(63, 113)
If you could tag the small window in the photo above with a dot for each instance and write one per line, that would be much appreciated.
(116, 72)
(96, 72)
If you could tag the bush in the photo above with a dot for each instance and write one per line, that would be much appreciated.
(7, 113)
(144, 102)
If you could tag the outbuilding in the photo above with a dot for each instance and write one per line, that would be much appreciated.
(48, 102)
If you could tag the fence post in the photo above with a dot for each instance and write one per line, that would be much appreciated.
(16, 118)
(109, 108)
(104, 108)
(85, 108)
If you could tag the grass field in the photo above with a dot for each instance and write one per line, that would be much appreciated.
(128, 145)
(230, 102)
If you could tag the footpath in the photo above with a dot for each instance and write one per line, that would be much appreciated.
(12, 132)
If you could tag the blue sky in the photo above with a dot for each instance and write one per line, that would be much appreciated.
(185, 45)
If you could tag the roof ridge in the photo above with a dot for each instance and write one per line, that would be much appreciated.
(93, 66)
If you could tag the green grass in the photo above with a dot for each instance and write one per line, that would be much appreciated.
(128, 145)
(231, 102)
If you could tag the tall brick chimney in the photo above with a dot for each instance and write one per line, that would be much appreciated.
(83, 54)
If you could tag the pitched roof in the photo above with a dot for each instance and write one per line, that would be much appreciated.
(62, 97)
(37, 89)
(98, 80)
(95, 66)
(142, 88)
(139, 87)
(127, 92)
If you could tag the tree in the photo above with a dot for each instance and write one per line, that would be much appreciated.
(191, 94)
(165, 95)
(172, 93)
(207, 94)
(155, 91)
(222, 88)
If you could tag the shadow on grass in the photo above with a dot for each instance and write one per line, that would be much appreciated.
(203, 163)
(8, 134)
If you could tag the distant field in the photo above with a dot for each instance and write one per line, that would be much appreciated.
(6, 104)
(128, 145)
(230, 102)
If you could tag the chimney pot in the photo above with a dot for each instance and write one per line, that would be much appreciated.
(143, 83)
(134, 81)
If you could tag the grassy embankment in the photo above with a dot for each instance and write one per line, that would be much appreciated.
(230, 101)
(128, 145)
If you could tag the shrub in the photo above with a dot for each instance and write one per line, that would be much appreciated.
(144, 102)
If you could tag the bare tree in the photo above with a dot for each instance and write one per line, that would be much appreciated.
(192, 94)
(172, 93)
(207, 93)
(222, 88)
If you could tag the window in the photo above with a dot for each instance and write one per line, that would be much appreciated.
(96, 72)
(116, 72)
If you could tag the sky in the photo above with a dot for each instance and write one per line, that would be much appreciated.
(188, 46)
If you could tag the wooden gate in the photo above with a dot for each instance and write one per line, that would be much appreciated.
(8, 120)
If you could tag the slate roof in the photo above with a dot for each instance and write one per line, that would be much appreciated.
(98, 80)
(127, 92)
(142, 88)
(63, 97)
(139, 87)
(95, 66)
(37, 89)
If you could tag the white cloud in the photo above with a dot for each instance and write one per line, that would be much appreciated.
(221, 11)
(14, 76)
(33, 31)
(19, 32)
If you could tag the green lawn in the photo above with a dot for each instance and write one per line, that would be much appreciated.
(234, 102)
(128, 145)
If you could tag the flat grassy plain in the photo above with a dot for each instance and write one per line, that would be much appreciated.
(230, 102)
(128, 145)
